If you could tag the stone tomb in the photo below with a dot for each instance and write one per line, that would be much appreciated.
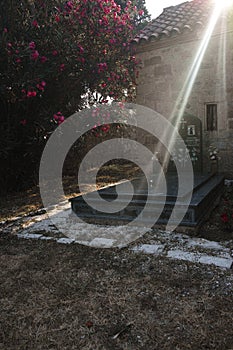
(206, 192)
(204, 195)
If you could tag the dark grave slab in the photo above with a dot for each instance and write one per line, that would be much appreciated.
(206, 191)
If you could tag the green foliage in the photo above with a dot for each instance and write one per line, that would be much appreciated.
(53, 53)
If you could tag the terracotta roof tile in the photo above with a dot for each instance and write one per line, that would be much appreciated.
(184, 17)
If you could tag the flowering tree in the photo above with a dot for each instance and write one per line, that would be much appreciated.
(53, 52)
(142, 17)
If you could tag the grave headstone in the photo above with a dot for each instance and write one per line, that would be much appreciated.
(190, 129)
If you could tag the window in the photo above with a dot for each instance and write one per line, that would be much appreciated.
(211, 117)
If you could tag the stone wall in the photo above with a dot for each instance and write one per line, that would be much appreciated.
(173, 77)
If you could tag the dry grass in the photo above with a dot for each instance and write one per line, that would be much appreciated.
(74, 297)
(22, 203)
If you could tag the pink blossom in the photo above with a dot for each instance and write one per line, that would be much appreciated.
(31, 94)
(35, 55)
(41, 85)
(224, 217)
(81, 49)
(102, 67)
(32, 45)
(69, 4)
(5, 30)
(83, 13)
(112, 41)
(18, 60)
(95, 131)
(35, 23)
(103, 85)
(9, 44)
(62, 67)
(43, 59)
(57, 18)
(81, 59)
(105, 20)
(59, 117)
(105, 128)
(55, 53)
(106, 10)
(23, 122)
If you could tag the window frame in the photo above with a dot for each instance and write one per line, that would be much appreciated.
(211, 112)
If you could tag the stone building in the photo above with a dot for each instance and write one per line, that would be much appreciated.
(187, 70)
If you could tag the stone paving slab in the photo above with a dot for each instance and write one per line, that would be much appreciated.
(102, 243)
(149, 248)
(65, 240)
(167, 244)
(201, 258)
(29, 235)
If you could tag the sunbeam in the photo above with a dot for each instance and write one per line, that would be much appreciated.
(221, 68)
(224, 3)
(183, 97)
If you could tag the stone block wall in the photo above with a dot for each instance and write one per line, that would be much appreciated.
(173, 76)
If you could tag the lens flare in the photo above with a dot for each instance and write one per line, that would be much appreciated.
(223, 3)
